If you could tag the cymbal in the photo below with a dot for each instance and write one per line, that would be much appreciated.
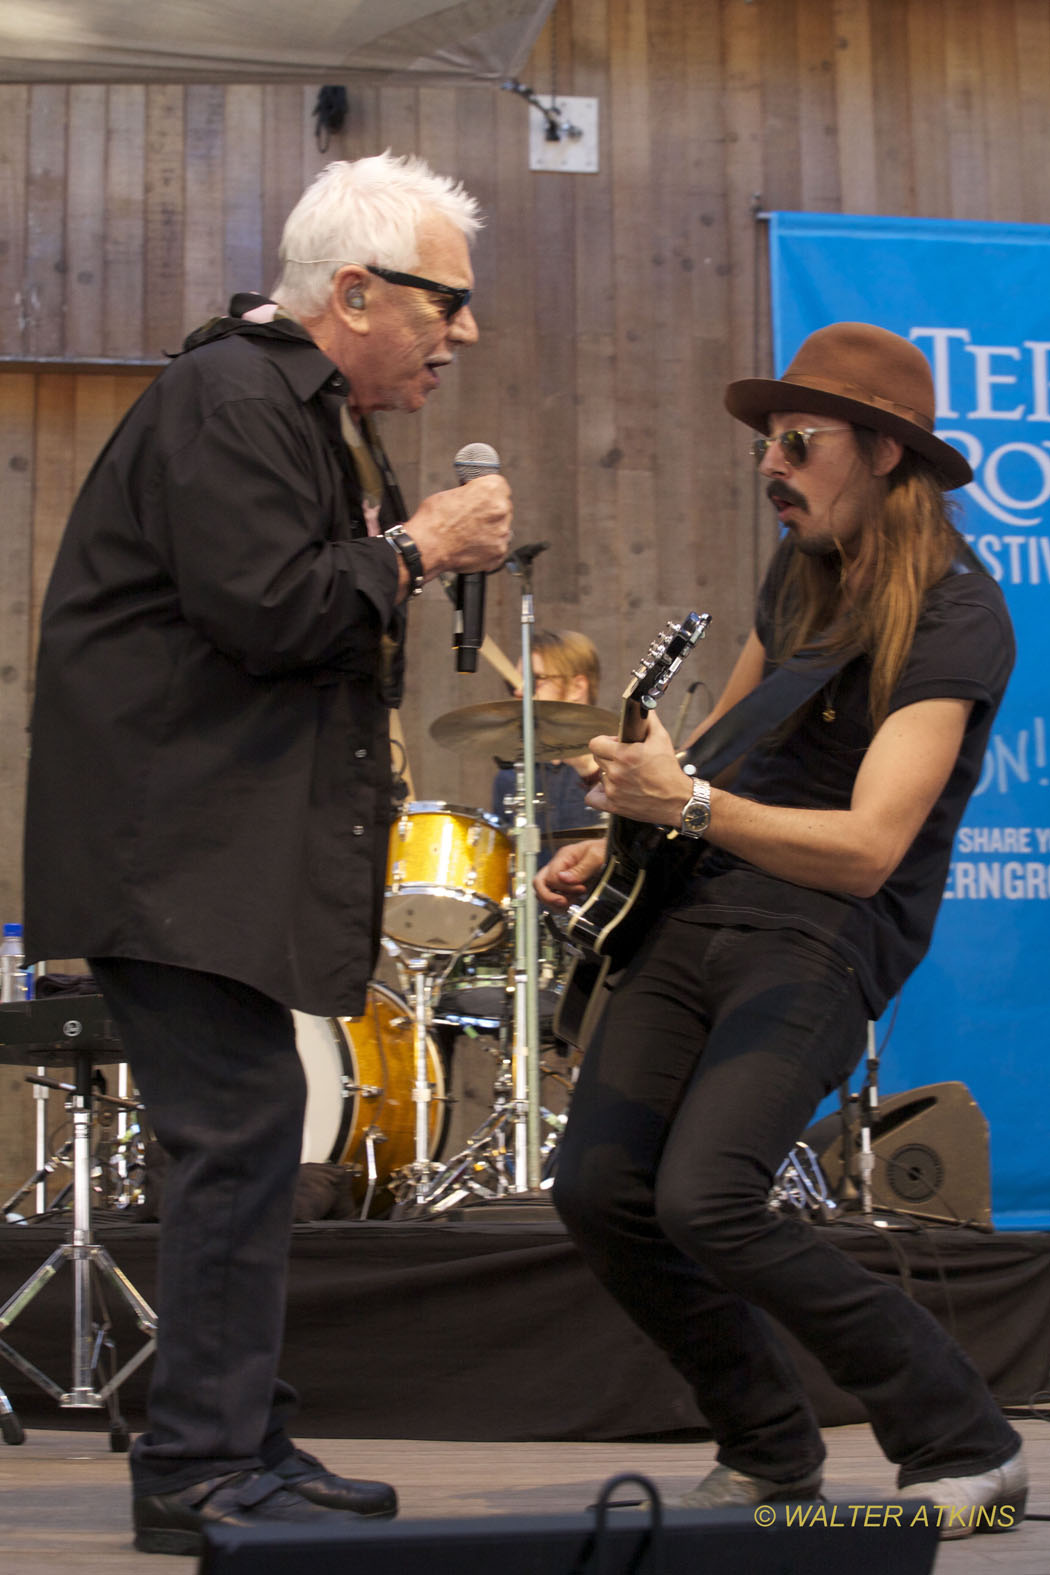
(563, 728)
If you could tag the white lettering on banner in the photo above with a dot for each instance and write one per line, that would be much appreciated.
(985, 380)
(1005, 383)
(987, 487)
(941, 363)
(1017, 560)
(1011, 881)
(1023, 760)
(994, 839)
(1040, 379)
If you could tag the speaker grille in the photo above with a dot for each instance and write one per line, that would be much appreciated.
(915, 1173)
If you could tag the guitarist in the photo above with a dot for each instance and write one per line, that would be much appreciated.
(749, 999)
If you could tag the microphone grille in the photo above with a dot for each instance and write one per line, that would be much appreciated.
(475, 459)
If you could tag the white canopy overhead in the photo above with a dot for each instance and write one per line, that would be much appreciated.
(338, 41)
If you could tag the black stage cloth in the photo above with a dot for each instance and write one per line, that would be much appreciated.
(480, 1329)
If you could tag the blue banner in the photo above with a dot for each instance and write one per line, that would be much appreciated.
(974, 298)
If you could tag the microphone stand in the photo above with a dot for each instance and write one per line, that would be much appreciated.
(525, 1060)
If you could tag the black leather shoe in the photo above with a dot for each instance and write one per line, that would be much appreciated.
(304, 1474)
(175, 1522)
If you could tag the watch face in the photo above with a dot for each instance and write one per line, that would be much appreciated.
(696, 817)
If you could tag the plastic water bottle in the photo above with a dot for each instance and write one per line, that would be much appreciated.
(14, 976)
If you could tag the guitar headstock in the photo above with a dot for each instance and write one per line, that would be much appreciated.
(653, 674)
(663, 659)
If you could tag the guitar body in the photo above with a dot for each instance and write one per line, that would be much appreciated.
(595, 929)
(613, 924)
(610, 926)
(583, 997)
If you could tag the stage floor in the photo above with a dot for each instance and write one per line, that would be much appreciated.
(64, 1509)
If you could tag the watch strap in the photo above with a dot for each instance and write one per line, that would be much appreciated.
(410, 555)
(701, 794)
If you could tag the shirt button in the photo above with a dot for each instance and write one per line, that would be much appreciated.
(360, 754)
(359, 831)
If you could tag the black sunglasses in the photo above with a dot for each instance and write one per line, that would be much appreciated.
(453, 300)
(794, 442)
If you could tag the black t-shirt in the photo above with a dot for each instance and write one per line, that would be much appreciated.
(963, 649)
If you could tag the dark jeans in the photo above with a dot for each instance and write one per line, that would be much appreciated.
(708, 1064)
(216, 1066)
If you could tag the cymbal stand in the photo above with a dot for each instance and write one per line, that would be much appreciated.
(426, 972)
(423, 1169)
(526, 838)
(481, 1170)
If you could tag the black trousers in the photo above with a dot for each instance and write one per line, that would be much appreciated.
(217, 1068)
(710, 1059)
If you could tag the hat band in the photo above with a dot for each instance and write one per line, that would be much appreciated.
(862, 396)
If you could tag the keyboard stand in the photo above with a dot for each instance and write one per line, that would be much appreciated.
(92, 1266)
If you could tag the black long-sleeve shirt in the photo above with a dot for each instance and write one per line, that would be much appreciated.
(209, 775)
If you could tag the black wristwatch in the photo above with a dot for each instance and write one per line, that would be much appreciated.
(410, 556)
(696, 816)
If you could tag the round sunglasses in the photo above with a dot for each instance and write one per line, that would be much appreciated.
(794, 442)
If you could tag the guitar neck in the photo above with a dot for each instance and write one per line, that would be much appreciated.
(632, 841)
(625, 836)
(634, 722)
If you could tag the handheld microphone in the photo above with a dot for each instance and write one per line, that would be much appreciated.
(468, 633)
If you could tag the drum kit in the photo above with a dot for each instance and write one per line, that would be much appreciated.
(452, 970)
(462, 942)
(454, 962)
(462, 957)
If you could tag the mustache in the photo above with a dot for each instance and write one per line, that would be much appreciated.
(780, 490)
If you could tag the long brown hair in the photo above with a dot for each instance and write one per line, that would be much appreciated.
(909, 542)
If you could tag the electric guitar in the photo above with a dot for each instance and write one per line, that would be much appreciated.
(606, 929)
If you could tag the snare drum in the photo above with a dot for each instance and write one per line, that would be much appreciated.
(359, 1077)
(447, 880)
(479, 991)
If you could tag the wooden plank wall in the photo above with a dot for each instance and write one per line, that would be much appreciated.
(613, 307)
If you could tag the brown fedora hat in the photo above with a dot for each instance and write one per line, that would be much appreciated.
(866, 375)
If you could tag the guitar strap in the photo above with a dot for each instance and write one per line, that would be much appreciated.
(666, 877)
(777, 697)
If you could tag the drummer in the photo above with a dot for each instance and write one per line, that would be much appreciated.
(565, 668)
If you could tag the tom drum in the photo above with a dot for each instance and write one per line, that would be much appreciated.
(448, 879)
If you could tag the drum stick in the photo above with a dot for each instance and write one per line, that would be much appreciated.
(497, 659)
(502, 663)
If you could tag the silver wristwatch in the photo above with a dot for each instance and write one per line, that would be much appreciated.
(696, 816)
